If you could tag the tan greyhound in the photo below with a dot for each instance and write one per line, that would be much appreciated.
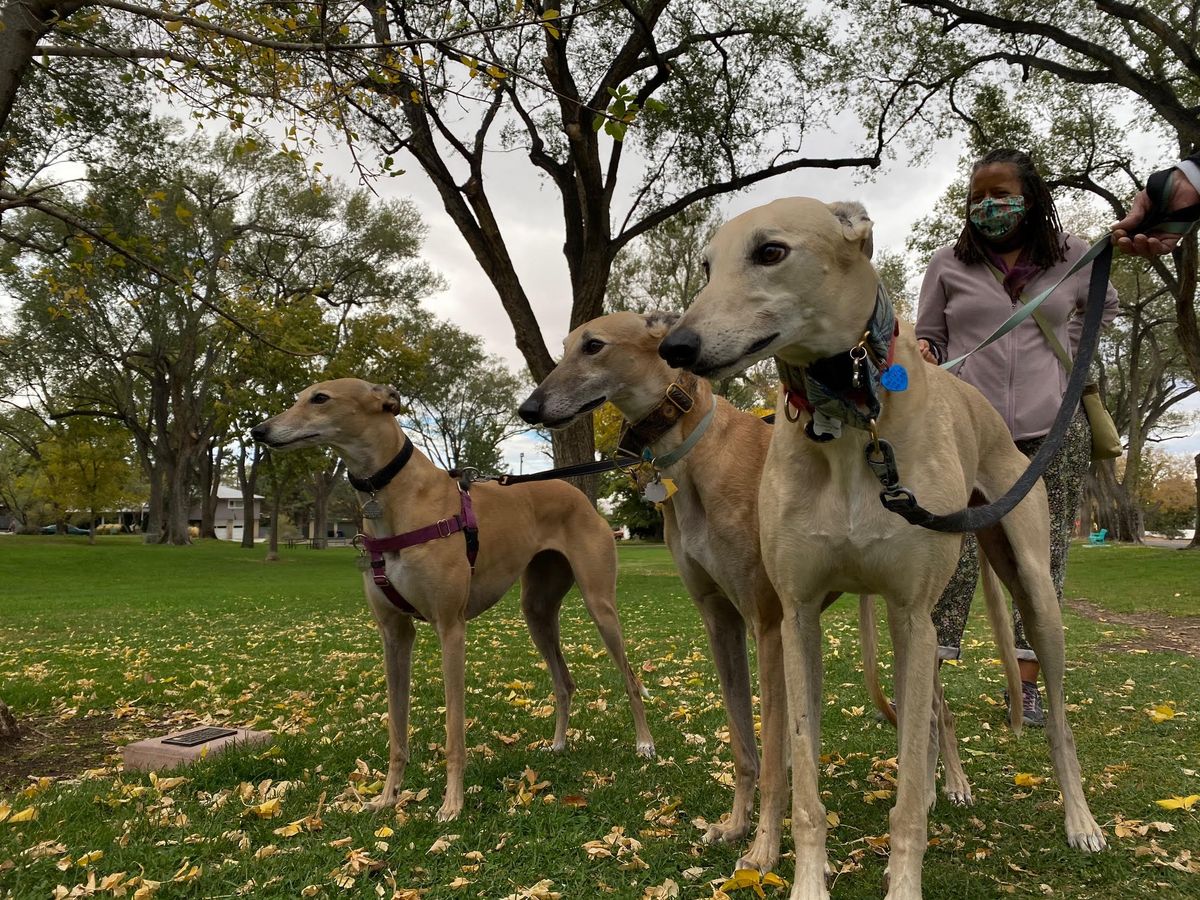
(793, 280)
(712, 533)
(545, 533)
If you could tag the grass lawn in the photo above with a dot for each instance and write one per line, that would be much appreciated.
(106, 644)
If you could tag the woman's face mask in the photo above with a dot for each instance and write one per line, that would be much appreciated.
(997, 219)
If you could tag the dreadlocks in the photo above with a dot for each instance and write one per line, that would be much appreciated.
(1041, 227)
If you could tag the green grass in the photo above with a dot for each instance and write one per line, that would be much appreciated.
(130, 640)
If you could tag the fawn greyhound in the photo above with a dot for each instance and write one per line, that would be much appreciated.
(545, 533)
(793, 280)
(713, 534)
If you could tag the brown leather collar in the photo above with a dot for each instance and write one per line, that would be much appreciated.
(679, 399)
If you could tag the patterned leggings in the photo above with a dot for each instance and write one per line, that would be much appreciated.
(1064, 485)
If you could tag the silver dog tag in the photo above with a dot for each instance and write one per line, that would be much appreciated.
(655, 492)
(371, 509)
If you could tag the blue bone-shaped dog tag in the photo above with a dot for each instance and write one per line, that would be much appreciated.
(894, 378)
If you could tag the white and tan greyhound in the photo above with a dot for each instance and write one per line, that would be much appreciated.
(793, 280)
(545, 533)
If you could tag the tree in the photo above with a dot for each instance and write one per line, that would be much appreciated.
(462, 406)
(1139, 55)
(88, 466)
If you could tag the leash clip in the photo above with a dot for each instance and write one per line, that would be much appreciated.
(858, 356)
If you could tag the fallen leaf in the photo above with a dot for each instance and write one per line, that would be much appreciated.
(1024, 779)
(1179, 802)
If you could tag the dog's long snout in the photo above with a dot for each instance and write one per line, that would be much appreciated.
(680, 348)
(531, 410)
(259, 432)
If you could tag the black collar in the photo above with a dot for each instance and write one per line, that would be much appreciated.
(381, 479)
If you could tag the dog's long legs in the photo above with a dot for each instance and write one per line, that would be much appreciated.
(397, 633)
(1025, 570)
(544, 583)
(915, 645)
(595, 573)
(801, 633)
(453, 635)
(957, 786)
(764, 852)
(727, 641)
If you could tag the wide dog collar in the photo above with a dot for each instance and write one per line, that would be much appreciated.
(377, 482)
(844, 389)
(676, 403)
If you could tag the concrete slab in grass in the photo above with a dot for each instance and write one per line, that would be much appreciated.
(183, 748)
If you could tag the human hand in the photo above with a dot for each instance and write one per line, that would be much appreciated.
(926, 351)
(1156, 243)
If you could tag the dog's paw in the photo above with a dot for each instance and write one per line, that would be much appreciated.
(727, 831)
(380, 803)
(449, 810)
(555, 746)
(960, 795)
(645, 749)
(1088, 841)
(762, 855)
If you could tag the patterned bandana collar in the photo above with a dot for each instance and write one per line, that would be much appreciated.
(844, 389)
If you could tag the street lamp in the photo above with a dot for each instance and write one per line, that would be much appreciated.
(521, 465)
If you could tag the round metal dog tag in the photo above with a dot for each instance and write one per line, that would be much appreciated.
(371, 509)
(655, 492)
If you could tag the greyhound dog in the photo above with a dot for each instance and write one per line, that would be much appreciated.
(793, 280)
(545, 533)
(712, 533)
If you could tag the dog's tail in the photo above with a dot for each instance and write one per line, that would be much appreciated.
(868, 640)
(998, 617)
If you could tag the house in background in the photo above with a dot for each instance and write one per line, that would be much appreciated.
(230, 517)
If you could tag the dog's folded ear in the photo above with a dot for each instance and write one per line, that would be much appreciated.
(659, 322)
(856, 224)
(389, 398)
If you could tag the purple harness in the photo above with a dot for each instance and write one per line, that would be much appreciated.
(375, 547)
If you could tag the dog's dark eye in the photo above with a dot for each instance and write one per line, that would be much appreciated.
(593, 346)
(318, 398)
(704, 269)
(770, 254)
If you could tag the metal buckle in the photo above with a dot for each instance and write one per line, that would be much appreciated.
(679, 404)
(448, 530)
(357, 542)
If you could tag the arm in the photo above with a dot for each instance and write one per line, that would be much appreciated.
(932, 335)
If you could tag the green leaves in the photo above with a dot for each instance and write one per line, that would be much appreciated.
(623, 111)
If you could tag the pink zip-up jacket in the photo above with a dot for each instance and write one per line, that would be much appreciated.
(961, 304)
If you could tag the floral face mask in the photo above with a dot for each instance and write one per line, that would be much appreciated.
(998, 218)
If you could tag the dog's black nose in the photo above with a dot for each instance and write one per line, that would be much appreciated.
(680, 348)
(531, 410)
(259, 433)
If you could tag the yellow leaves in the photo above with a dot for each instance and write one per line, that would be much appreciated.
(540, 891)
(383, 832)
(165, 784)
(547, 17)
(744, 879)
(669, 888)
(173, 27)
(269, 809)
(442, 844)
(182, 213)
(187, 873)
(39, 785)
(1163, 712)
(1175, 802)
(459, 883)
(1025, 779)
(833, 819)
(854, 712)
(528, 788)
(15, 818)
(872, 796)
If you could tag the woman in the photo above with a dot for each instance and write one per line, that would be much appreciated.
(1011, 247)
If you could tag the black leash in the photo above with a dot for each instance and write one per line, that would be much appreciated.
(576, 471)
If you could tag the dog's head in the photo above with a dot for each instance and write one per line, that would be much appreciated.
(790, 279)
(615, 358)
(329, 413)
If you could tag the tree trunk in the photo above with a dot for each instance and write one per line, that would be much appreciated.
(92, 528)
(321, 484)
(210, 481)
(8, 724)
(276, 493)
(177, 503)
(154, 507)
(1115, 509)
(577, 444)
(1195, 542)
(248, 479)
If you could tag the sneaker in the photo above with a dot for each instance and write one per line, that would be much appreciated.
(1032, 713)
